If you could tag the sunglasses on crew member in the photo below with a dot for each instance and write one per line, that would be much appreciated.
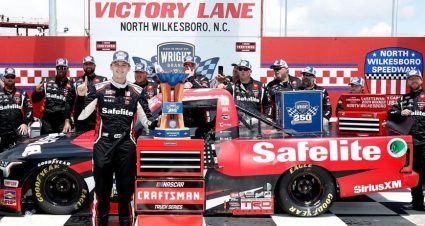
(189, 65)
(277, 68)
(10, 76)
(62, 68)
(243, 69)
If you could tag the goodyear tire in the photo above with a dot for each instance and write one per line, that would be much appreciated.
(306, 191)
(59, 190)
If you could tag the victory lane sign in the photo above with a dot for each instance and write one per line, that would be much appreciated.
(183, 16)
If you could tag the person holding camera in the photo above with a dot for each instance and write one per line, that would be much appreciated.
(194, 80)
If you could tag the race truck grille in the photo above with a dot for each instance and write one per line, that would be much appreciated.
(171, 158)
(370, 125)
(170, 162)
(361, 122)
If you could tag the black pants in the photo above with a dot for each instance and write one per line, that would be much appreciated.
(122, 161)
(52, 123)
(7, 140)
(419, 167)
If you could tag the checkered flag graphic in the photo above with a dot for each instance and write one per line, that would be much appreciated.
(207, 67)
(292, 111)
(312, 110)
(140, 60)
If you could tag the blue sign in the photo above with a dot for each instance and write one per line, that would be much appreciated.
(172, 133)
(300, 111)
(172, 108)
(392, 63)
(170, 56)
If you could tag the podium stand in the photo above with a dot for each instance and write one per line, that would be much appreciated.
(170, 188)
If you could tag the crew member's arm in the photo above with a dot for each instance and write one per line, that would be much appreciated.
(27, 108)
(397, 112)
(327, 107)
(143, 113)
(266, 103)
(69, 107)
(27, 114)
(339, 106)
(39, 93)
(86, 100)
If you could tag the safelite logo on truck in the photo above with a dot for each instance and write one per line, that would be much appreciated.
(332, 150)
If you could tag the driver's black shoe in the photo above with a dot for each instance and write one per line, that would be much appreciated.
(125, 221)
(412, 206)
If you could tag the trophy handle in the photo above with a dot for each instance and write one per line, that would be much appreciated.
(178, 97)
(166, 97)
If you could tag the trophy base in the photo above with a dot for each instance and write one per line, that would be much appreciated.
(171, 133)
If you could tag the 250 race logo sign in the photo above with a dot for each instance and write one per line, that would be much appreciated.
(302, 112)
(332, 150)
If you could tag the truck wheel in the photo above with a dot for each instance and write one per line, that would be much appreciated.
(306, 191)
(59, 190)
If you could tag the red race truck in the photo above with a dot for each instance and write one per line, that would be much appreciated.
(247, 165)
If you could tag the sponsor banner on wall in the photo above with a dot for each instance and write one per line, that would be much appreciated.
(169, 53)
(33, 58)
(387, 67)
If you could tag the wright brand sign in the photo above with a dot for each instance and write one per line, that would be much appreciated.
(182, 18)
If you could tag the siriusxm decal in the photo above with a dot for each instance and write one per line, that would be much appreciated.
(302, 112)
(170, 56)
(392, 63)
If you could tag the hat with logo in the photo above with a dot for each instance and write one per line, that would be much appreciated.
(279, 63)
(9, 71)
(61, 62)
(235, 64)
(189, 59)
(309, 70)
(88, 59)
(140, 67)
(121, 56)
(244, 63)
(413, 73)
(357, 81)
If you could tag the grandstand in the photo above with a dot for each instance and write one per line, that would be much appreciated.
(18, 23)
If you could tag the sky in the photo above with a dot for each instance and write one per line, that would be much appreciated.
(305, 17)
